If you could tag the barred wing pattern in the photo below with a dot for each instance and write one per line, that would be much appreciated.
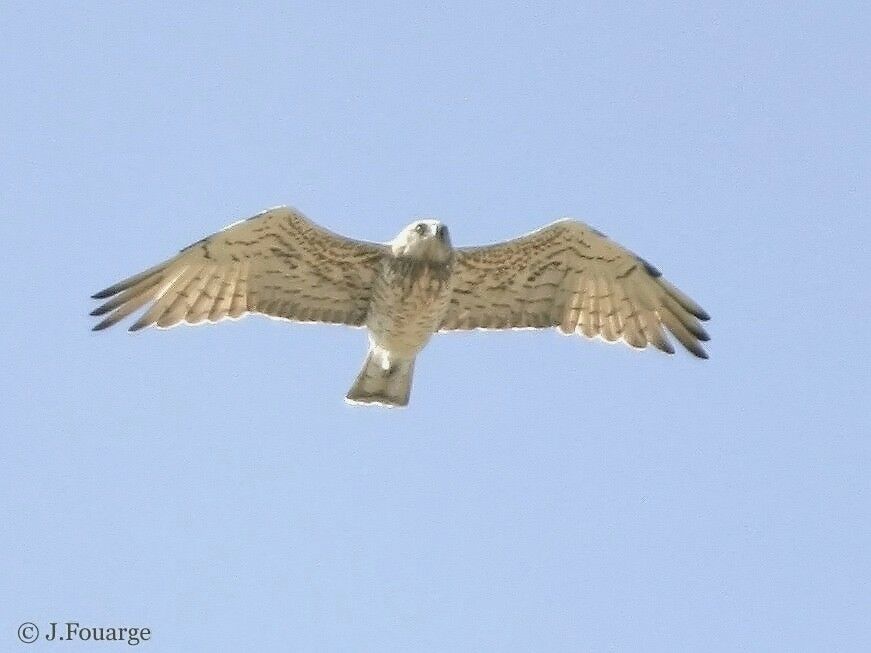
(277, 263)
(570, 276)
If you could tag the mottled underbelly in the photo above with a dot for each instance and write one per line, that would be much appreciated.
(407, 307)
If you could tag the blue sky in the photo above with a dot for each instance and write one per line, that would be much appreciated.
(540, 493)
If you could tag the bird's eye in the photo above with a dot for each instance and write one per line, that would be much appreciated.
(420, 228)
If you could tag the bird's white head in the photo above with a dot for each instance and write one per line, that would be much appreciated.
(424, 240)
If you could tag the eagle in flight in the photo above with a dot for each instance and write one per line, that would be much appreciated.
(280, 264)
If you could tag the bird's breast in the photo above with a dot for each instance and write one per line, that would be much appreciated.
(409, 300)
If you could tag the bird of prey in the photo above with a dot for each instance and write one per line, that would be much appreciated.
(280, 264)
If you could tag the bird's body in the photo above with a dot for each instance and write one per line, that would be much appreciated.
(280, 264)
(410, 295)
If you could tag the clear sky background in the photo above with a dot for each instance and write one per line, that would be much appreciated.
(541, 493)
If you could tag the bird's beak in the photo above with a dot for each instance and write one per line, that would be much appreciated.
(441, 233)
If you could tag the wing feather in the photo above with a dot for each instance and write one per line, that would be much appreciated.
(631, 327)
(688, 320)
(201, 306)
(589, 309)
(606, 325)
(125, 296)
(130, 305)
(129, 282)
(683, 336)
(181, 300)
(225, 294)
(570, 276)
(182, 277)
(277, 263)
(239, 302)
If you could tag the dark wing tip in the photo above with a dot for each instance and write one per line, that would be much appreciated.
(651, 269)
(106, 292)
(702, 314)
(698, 352)
(664, 345)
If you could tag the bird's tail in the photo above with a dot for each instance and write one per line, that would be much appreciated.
(384, 384)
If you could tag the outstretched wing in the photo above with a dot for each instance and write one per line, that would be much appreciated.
(570, 276)
(277, 263)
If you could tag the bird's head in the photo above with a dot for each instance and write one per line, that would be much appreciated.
(424, 240)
